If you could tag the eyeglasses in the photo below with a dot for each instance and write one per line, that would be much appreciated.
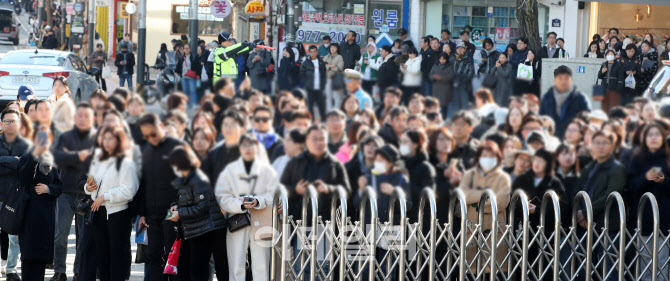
(261, 119)
(247, 144)
(9, 121)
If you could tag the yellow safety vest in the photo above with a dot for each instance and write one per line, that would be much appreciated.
(225, 68)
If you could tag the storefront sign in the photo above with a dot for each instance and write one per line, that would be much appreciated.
(220, 8)
(555, 23)
(254, 8)
(332, 18)
(101, 3)
(502, 35)
(359, 9)
(391, 19)
(77, 24)
(131, 8)
(313, 32)
(384, 40)
(489, 12)
(477, 36)
(123, 13)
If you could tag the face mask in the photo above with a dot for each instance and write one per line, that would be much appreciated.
(404, 150)
(488, 163)
(126, 51)
(176, 172)
(380, 167)
(326, 45)
(610, 58)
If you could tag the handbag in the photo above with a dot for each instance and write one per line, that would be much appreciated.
(189, 72)
(240, 221)
(106, 71)
(13, 210)
(173, 258)
(490, 81)
(270, 68)
(337, 81)
(84, 207)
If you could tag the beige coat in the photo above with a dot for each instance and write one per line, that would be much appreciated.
(473, 185)
(336, 60)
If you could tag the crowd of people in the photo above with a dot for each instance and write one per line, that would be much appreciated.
(398, 117)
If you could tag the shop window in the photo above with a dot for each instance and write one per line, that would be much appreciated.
(207, 23)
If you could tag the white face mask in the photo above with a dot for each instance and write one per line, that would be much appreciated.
(404, 150)
(610, 58)
(326, 45)
(380, 167)
(176, 172)
(488, 163)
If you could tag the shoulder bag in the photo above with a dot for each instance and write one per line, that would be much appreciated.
(240, 221)
(13, 209)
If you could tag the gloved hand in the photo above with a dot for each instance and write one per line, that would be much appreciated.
(251, 44)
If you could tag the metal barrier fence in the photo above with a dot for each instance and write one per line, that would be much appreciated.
(492, 248)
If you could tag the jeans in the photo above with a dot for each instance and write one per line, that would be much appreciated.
(13, 254)
(663, 256)
(65, 207)
(126, 77)
(427, 88)
(188, 86)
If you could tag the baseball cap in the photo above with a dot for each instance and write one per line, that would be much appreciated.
(460, 45)
(26, 92)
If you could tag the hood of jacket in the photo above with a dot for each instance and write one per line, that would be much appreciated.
(651, 50)
(389, 57)
(374, 52)
(63, 116)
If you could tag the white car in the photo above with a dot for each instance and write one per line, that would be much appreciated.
(39, 68)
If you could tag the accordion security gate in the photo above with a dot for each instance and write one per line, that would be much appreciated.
(341, 249)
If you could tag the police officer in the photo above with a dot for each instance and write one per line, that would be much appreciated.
(224, 56)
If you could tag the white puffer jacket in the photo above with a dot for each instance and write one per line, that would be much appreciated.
(118, 186)
(412, 74)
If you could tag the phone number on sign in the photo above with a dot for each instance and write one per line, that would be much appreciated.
(315, 36)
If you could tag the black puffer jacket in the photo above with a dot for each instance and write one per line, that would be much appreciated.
(613, 78)
(198, 211)
(9, 163)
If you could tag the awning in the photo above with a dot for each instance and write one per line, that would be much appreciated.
(640, 2)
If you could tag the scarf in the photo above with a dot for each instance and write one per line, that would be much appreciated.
(267, 139)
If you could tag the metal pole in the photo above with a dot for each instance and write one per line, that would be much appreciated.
(141, 41)
(41, 14)
(63, 19)
(91, 30)
(290, 22)
(193, 24)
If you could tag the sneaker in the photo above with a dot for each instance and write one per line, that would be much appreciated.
(59, 277)
(3, 264)
(13, 277)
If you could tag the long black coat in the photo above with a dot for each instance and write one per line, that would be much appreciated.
(9, 163)
(421, 175)
(526, 182)
(36, 238)
(288, 74)
(305, 166)
(614, 77)
(387, 75)
(68, 162)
